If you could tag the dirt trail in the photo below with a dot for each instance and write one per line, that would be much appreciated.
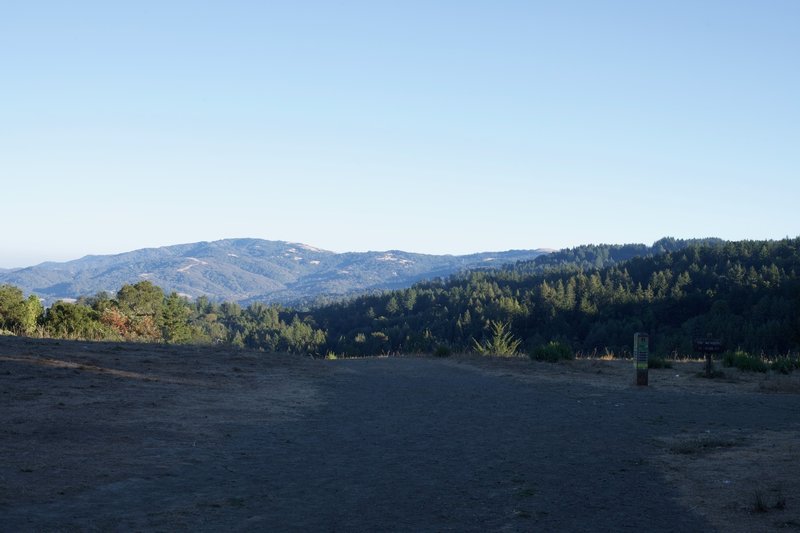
(121, 437)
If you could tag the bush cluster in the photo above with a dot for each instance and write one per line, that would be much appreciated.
(552, 352)
(658, 362)
(442, 351)
(785, 365)
(744, 361)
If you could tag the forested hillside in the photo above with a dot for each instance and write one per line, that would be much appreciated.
(596, 256)
(745, 293)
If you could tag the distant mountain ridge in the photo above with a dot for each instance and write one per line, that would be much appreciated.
(245, 270)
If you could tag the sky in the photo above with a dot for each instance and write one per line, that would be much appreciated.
(427, 126)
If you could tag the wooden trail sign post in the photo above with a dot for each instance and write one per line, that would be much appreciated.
(708, 347)
(641, 348)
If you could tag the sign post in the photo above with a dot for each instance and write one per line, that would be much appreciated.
(641, 347)
(708, 347)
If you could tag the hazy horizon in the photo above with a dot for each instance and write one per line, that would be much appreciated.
(549, 248)
(68, 257)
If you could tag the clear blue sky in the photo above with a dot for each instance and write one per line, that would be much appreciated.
(430, 126)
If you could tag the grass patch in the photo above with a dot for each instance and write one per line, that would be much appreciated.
(714, 374)
(744, 361)
(236, 502)
(780, 501)
(701, 445)
(658, 362)
(785, 365)
(526, 493)
(759, 502)
(781, 383)
(442, 351)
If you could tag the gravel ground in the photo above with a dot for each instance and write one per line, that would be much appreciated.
(146, 437)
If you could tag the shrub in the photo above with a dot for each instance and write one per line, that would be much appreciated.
(502, 342)
(552, 352)
(658, 362)
(780, 500)
(759, 502)
(701, 444)
(744, 361)
(785, 365)
(714, 374)
(442, 351)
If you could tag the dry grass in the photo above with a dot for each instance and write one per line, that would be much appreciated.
(781, 383)
(620, 374)
(724, 477)
(738, 483)
(702, 444)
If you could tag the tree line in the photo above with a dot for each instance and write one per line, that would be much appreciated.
(745, 293)
(590, 299)
(142, 312)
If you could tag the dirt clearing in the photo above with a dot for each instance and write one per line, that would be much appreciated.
(101, 436)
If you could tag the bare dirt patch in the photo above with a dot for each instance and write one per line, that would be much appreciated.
(76, 416)
(740, 480)
(103, 436)
(616, 374)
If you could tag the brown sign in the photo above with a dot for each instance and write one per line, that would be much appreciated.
(707, 345)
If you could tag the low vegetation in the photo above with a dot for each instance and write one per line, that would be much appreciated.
(701, 445)
(499, 343)
(762, 504)
(785, 365)
(442, 351)
(658, 362)
(552, 352)
(744, 361)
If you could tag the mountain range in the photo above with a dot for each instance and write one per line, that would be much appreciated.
(246, 270)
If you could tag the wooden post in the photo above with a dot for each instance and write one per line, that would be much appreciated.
(708, 347)
(641, 347)
(709, 365)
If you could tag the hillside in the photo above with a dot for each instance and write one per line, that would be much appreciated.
(746, 293)
(594, 256)
(245, 270)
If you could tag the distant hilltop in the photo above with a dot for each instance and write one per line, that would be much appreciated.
(245, 270)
